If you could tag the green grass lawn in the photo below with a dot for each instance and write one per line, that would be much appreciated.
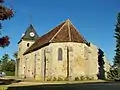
(75, 86)
(9, 73)
(60, 85)
(3, 88)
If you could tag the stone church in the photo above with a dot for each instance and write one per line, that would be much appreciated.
(60, 54)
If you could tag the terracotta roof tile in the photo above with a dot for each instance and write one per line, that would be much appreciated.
(43, 40)
(65, 32)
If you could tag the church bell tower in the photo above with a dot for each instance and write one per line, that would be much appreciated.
(28, 38)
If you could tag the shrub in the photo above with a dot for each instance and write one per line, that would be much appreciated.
(9, 73)
(91, 78)
(60, 79)
(82, 78)
(54, 79)
(66, 79)
(87, 78)
(113, 74)
(49, 79)
(77, 78)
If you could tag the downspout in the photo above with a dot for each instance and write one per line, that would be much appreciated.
(44, 65)
(35, 65)
(68, 63)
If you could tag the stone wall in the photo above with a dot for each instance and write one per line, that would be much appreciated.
(92, 61)
(106, 66)
(22, 47)
(82, 61)
(43, 64)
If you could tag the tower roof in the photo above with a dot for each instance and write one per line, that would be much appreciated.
(64, 32)
(27, 36)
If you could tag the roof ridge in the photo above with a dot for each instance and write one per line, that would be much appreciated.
(57, 32)
(68, 24)
(64, 32)
(29, 27)
(78, 32)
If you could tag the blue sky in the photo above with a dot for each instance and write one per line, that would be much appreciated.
(95, 19)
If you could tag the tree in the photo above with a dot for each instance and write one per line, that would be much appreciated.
(5, 14)
(117, 37)
(114, 72)
(4, 62)
(11, 65)
(15, 55)
(7, 64)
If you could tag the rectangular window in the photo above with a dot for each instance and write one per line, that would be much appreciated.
(60, 54)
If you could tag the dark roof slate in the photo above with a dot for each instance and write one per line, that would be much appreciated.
(27, 36)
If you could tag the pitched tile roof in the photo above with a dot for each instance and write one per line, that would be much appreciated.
(27, 34)
(65, 32)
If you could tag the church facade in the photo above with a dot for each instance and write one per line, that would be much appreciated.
(61, 54)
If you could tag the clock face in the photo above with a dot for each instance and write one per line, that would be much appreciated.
(32, 34)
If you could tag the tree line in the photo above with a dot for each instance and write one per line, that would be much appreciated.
(7, 64)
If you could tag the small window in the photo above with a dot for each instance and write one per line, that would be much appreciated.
(28, 44)
(35, 55)
(59, 54)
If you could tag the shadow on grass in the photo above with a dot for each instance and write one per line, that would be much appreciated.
(78, 86)
(8, 81)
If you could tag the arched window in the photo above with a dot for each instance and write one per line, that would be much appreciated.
(28, 44)
(60, 54)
